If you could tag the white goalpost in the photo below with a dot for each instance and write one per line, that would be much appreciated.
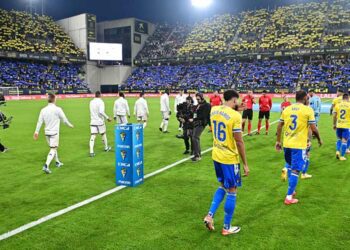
(10, 91)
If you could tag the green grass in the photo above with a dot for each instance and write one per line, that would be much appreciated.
(167, 210)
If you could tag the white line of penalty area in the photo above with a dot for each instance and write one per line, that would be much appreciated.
(95, 198)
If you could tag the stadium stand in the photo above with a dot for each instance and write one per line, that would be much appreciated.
(33, 75)
(300, 26)
(288, 74)
(211, 35)
(23, 32)
(250, 30)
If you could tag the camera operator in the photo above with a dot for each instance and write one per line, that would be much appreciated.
(4, 122)
(184, 114)
(200, 121)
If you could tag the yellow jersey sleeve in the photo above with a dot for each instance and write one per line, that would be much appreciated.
(311, 116)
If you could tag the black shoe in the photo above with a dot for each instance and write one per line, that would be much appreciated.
(180, 136)
(257, 133)
(186, 152)
(160, 129)
(195, 159)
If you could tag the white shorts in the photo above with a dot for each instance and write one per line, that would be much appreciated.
(165, 115)
(53, 140)
(142, 118)
(98, 129)
(122, 119)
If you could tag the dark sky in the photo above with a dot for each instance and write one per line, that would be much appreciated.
(151, 10)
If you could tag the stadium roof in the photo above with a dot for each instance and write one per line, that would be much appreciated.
(151, 10)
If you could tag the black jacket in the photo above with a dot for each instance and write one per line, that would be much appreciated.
(201, 115)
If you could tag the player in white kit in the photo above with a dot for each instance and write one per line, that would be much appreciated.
(97, 123)
(165, 110)
(51, 116)
(121, 109)
(141, 111)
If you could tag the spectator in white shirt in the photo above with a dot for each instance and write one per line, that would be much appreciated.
(121, 109)
(141, 111)
(97, 122)
(51, 116)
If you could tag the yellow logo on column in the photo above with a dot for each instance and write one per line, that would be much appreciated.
(123, 171)
(123, 154)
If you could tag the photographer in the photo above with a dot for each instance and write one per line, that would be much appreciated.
(200, 121)
(184, 114)
(4, 122)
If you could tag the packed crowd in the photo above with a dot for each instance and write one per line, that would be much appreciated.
(23, 32)
(299, 26)
(29, 75)
(246, 75)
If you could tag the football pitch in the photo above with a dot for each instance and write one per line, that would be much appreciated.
(166, 212)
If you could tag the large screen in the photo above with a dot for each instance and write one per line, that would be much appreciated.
(106, 51)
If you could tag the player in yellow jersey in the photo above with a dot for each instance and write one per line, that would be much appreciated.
(337, 100)
(228, 148)
(295, 121)
(341, 123)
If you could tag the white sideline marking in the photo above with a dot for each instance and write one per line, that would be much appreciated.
(95, 198)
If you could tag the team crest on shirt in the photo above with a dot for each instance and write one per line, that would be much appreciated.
(123, 154)
(123, 136)
(123, 171)
(138, 171)
(137, 135)
(138, 153)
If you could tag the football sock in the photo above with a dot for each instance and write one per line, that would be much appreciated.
(144, 124)
(293, 181)
(230, 205)
(306, 166)
(92, 143)
(166, 122)
(267, 125)
(217, 199)
(259, 126)
(338, 145)
(349, 144)
(249, 127)
(243, 126)
(162, 124)
(50, 156)
(105, 141)
(56, 156)
(343, 149)
(289, 169)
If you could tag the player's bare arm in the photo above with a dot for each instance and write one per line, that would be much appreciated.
(241, 150)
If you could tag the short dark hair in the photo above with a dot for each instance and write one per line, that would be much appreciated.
(142, 94)
(200, 95)
(121, 94)
(300, 95)
(346, 96)
(264, 91)
(340, 91)
(229, 94)
(97, 93)
(51, 97)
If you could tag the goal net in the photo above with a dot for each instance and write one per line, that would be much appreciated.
(10, 91)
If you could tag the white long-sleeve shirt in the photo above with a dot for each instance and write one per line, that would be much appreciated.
(164, 103)
(51, 116)
(141, 107)
(97, 112)
(121, 107)
(178, 100)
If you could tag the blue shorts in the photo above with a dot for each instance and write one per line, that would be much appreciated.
(343, 133)
(296, 158)
(228, 174)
